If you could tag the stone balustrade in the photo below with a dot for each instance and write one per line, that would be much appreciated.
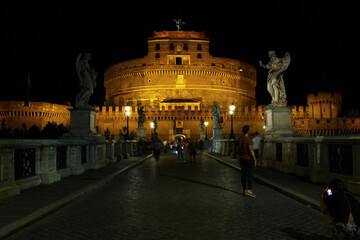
(26, 163)
(317, 159)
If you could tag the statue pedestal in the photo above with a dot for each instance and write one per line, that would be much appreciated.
(141, 133)
(217, 134)
(83, 133)
(82, 121)
(202, 136)
(278, 121)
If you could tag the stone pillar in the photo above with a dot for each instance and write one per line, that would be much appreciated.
(217, 133)
(202, 136)
(354, 184)
(83, 127)
(278, 122)
(110, 151)
(75, 160)
(141, 134)
(8, 187)
(47, 169)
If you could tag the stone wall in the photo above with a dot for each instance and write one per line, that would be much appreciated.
(15, 114)
(25, 163)
(114, 119)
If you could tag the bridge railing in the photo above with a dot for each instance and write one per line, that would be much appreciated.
(318, 159)
(25, 163)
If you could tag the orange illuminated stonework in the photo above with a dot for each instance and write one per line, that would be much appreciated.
(180, 80)
(179, 66)
(176, 83)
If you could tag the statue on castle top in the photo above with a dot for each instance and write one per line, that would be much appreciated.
(216, 115)
(142, 119)
(179, 24)
(87, 77)
(275, 78)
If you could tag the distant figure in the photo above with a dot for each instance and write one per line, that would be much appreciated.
(87, 77)
(256, 146)
(165, 146)
(216, 115)
(275, 78)
(341, 211)
(156, 147)
(248, 161)
(180, 145)
(179, 24)
(192, 151)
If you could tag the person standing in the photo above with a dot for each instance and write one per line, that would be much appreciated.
(247, 160)
(165, 146)
(256, 146)
(156, 147)
(192, 151)
(180, 149)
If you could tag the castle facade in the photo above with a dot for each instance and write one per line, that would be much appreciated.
(177, 83)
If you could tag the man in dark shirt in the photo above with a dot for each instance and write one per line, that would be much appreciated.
(341, 211)
(248, 161)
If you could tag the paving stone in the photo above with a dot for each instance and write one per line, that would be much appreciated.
(179, 201)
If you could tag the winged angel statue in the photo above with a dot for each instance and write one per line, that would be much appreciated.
(87, 77)
(179, 24)
(275, 78)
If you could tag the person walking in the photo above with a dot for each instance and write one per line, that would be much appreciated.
(192, 151)
(180, 149)
(247, 160)
(256, 146)
(156, 147)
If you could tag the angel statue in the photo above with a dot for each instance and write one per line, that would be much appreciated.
(216, 115)
(202, 125)
(275, 78)
(179, 24)
(87, 77)
(141, 114)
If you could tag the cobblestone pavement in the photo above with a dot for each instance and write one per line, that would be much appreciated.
(179, 201)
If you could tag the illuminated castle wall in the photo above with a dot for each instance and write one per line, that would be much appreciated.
(180, 80)
(179, 66)
(177, 82)
(15, 114)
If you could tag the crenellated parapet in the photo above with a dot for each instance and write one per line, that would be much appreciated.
(15, 113)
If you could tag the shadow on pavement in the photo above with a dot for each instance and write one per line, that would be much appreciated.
(201, 183)
(303, 235)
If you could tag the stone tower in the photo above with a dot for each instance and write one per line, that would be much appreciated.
(324, 104)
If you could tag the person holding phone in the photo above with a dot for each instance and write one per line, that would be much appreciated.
(341, 211)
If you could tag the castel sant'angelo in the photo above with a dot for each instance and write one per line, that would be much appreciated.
(177, 83)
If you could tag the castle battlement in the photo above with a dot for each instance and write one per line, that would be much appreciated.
(15, 113)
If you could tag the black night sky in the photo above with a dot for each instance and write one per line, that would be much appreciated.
(44, 38)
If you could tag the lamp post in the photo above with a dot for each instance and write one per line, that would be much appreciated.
(232, 109)
(127, 112)
(206, 123)
(152, 127)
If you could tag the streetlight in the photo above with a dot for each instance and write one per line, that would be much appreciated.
(151, 126)
(206, 123)
(127, 112)
(232, 109)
